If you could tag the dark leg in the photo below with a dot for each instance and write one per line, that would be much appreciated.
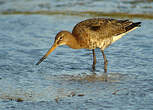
(105, 66)
(105, 61)
(94, 60)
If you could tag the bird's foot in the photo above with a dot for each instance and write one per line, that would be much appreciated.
(93, 69)
(105, 77)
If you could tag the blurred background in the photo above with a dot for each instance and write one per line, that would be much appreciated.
(111, 6)
(64, 81)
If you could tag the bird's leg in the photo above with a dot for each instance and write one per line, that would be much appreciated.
(94, 60)
(105, 66)
(105, 62)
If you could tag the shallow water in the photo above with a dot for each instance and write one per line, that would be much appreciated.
(64, 80)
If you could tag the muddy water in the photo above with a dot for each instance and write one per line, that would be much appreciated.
(64, 80)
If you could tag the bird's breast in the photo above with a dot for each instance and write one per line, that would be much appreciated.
(91, 39)
(92, 42)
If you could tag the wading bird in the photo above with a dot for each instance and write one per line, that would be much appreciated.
(93, 33)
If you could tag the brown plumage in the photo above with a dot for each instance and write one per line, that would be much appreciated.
(93, 33)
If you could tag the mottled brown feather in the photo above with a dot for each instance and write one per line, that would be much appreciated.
(98, 32)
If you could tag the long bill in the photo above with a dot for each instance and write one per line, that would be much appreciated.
(45, 56)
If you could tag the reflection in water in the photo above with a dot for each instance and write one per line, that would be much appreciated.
(58, 91)
(112, 77)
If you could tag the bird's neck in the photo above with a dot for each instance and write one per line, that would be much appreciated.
(73, 43)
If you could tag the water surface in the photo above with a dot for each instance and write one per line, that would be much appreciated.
(64, 80)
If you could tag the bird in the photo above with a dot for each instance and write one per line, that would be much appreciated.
(93, 33)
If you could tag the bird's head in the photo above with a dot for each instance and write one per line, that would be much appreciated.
(62, 38)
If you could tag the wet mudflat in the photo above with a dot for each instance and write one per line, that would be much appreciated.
(64, 81)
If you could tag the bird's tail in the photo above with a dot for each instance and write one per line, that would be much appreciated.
(133, 25)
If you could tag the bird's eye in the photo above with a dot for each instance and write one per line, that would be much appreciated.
(61, 38)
